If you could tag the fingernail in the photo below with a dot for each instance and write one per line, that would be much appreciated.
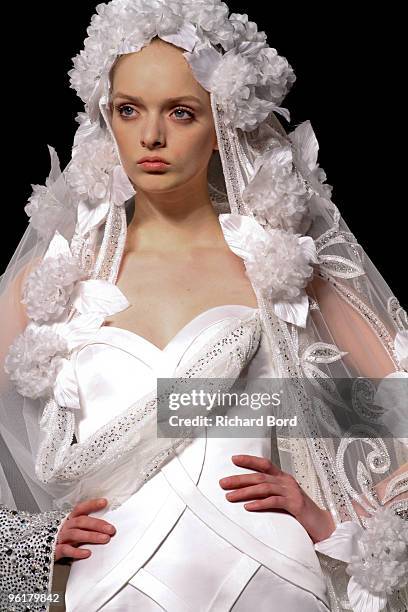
(101, 502)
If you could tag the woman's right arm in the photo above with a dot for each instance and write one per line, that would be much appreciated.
(31, 543)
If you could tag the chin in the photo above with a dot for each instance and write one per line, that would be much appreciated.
(157, 182)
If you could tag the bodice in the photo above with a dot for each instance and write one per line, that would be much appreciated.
(116, 366)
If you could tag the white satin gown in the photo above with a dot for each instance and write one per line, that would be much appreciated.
(180, 545)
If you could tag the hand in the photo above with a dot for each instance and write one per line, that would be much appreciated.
(79, 528)
(275, 490)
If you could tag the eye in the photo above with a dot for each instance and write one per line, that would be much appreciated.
(121, 108)
(184, 110)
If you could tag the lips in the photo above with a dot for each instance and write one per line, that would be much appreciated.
(152, 166)
(152, 160)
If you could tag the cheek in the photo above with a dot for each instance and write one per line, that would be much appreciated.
(122, 135)
(126, 144)
(193, 149)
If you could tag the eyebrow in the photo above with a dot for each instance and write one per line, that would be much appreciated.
(168, 100)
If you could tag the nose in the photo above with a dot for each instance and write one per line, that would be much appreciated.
(152, 134)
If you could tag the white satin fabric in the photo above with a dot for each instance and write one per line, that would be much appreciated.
(180, 544)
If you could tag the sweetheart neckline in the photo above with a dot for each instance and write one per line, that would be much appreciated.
(181, 331)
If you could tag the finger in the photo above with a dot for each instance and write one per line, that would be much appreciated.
(88, 506)
(257, 491)
(269, 503)
(66, 550)
(245, 480)
(259, 464)
(79, 536)
(91, 523)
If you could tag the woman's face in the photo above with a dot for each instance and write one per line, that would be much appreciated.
(179, 131)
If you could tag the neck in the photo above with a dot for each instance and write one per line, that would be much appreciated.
(174, 221)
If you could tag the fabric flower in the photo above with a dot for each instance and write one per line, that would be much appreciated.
(116, 28)
(280, 265)
(89, 172)
(277, 262)
(211, 17)
(305, 151)
(239, 82)
(46, 206)
(277, 194)
(377, 558)
(245, 30)
(38, 361)
(275, 75)
(250, 79)
(48, 287)
(230, 83)
(44, 210)
(34, 359)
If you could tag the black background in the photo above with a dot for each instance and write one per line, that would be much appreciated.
(348, 85)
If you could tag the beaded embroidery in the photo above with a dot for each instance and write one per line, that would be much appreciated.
(26, 555)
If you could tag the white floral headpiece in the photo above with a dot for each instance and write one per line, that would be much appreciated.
(228, 56)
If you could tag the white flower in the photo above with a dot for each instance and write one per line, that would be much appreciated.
(245, 30)
(277, 194)
(48, 287)
(278, 263)
(211, 16)
(89, 173)
(377, 558)
(381, 563)
(47, 204)
(44, 210)
(230, 84)
(240, 82)
(320, 175)
(275, 75)
(248, 88)
(305, 152)
(114, 27)
(38, 361)
(34, 359)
